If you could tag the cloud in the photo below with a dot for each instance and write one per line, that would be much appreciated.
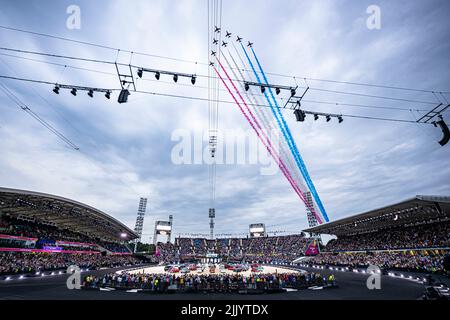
(125, 148)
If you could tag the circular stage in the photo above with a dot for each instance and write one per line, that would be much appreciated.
(206, 271)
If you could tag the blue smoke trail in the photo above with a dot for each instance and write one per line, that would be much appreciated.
(287, 134)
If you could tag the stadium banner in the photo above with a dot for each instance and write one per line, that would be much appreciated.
(72, 243)
(9, 237)
(313, 249)
(47, 251)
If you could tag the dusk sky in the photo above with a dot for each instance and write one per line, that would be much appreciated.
(125, 149)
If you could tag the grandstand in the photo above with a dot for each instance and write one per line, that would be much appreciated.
(268, 249)
(40, 232)
(411, 235)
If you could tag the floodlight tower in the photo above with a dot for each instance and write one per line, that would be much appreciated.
(140, 220)
(212, 215)
(170, 223)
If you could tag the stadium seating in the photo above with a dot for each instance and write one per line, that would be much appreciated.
(264, 249)
(15, 233)
(435, 235)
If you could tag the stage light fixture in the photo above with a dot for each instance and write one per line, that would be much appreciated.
(108, 94)
(139, 73)
(193, 79)
(123, 96)
(328, 118)
(263, 89)
(277, 91)
(73, 91)
(56, 89)
(247, 87)
(340, 119)
(292, 92)
(157, 75)
(316, 117)
(175, 77)
(445, 131)
(91, 93)
(299, 115)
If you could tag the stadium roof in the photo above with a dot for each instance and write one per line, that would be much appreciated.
(62, 212)
(418, 210)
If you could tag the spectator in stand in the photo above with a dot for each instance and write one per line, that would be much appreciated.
(20, 262)
(424, 236)
(419, 261)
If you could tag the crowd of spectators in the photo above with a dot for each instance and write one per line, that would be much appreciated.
(21, 262)
(414, 261)
(435, 235)
(261, 249)
(207, 283)
(49, 235)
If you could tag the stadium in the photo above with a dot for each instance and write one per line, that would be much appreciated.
(326, 181)
(43, 235)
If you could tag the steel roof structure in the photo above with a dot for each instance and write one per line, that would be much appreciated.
(417, 210)
(63, 213)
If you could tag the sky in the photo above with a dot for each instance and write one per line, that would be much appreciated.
(125, 149)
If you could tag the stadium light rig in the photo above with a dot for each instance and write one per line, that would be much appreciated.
(436, 112)
(175, 75)
(74, 90)
(263, 87)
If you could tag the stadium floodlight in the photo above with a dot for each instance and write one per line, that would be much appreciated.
(123, 96)
(299, 115)
(73, 91)
(193, 79)
(56, 89)
(157, 75)
(277, 90)
(328, 118)
(108, 94)
(246, 87)
(340, 119)
(175, 78)
(91, 93)
(140, 72)
(316, 117)
(445, 131)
